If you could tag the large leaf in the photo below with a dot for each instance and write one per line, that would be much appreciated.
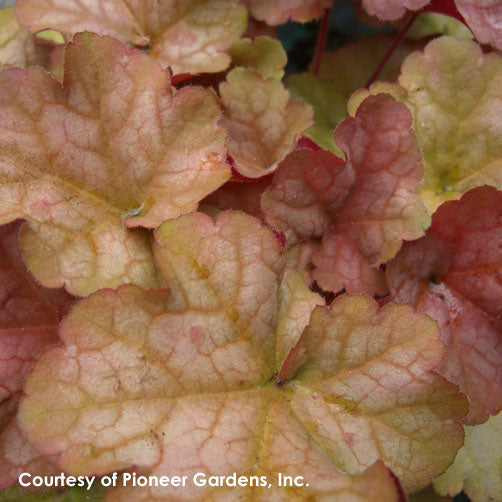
(457, 95)
(369, 200)
(115, 144)
(185, 382)
(454, 275)
(189, 36)
(29, 315)
(262, 122)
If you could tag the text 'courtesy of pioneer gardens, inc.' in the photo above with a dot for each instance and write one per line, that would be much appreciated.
(132, 479)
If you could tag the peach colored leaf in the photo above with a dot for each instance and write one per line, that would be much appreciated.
(456, 92)
(262, 122)
(280, 11)
(29, 315)
(184, 383)
(369, 200)
(484, 19)
(189, 36)
(454, 275)
(364, 388)
(114, 144)
(389, 10)
(264, 54)
(299, 257)
(18, 47)
(476, 469)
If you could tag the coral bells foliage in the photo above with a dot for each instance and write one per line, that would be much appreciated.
(210, 267)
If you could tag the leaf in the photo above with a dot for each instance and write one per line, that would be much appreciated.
(280, 11)
(189, 36)
(329, 107)
(29, 315)
(430, 23)
(18, 47)
(428, 495)
(456, 92)
(262, 122)
(240, 196)
(453, 275)
(476, 469)
(264, 54)
(184, 383)
(350, 67)
(78, 169)
(369, 201)
(483, 18)
(389, 10)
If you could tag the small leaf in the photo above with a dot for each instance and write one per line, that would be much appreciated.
(262, 122)
(185, 382)
(189, 36)
(280, 11)
(456, 92)
(389, 10)
(369, 201)
(263, 54)
(115, 144)
(453, 275)
(483, 18)
(476, 469)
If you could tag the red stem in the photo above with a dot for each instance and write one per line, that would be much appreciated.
(391, 49)
(321, 41)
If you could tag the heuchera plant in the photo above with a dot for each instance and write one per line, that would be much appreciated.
(211, 268)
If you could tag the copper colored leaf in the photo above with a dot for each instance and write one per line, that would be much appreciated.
(369, 200)
(454, 275)
(262, 121)
(29, 315)
(18, 47)
(114, 144)
(280, 11)
(189, 36)
(185, 382)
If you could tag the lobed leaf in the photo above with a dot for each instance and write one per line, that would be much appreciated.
(114, 144)
(453, 275)
(185, 382)
(262, 122)
(369, 200)
(456, 93)
(264, 54)
(189, 36)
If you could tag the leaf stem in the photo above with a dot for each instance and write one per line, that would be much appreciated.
(321, 41)
(392, 48)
